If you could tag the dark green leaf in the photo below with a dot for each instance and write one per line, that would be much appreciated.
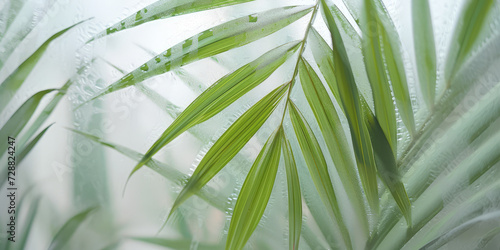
(387, 169)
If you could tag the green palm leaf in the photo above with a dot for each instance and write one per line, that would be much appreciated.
(294, 195)
(21, 117)
(425, 51)
(373, 30)
(317, 168)
(466, 34)
(255, 193)
(221, 94)
(230, 143)
(9, 86)
(349, 97)
(165, 9)
(68, 229)
(218, 39)
(335, 139)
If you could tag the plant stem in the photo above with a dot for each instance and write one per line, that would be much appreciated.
(301, 51)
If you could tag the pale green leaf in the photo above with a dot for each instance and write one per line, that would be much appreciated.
(222, 94)
(68, 229)
(455, 232)
(318, 169)
(177, 243)
(164, 9)
(9, 86)
(333, 132)
(392, 52)
(294, 195)
(354, 111)
(20, 118)
(425, 51)
(213, 41)
(373, 50)
(255, 193)
(230, 143)
(471, 21)
(26, 148)
(482, 159)
(49, 108)
(168, 172)
(28, 224)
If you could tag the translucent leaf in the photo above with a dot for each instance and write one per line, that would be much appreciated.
(374, 62)
(20, 118)
(9, 86)
(387, 169)
(230, 143)
(213, 41)
(165, 9)
(68, 229)
(425, 51)
(294, 195)
(334, 136)
(222, 94)
(472, 19)
(349, 96)
(318, 169)
(255, 193)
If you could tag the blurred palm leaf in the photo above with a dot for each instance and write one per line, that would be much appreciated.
(397, 171)
(374, 133)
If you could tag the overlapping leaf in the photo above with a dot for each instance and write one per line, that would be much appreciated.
(230, 143)
(333, 132)
(9, 86)
(211, 42)
(221, 94)
(318, 169)
(49, 108)
(255, 193)
(349, 97)
(165, 9)
(294, 194)
(21, 117)
(373, 49)
(387, 169)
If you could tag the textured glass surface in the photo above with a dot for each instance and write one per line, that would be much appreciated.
(249, 124)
